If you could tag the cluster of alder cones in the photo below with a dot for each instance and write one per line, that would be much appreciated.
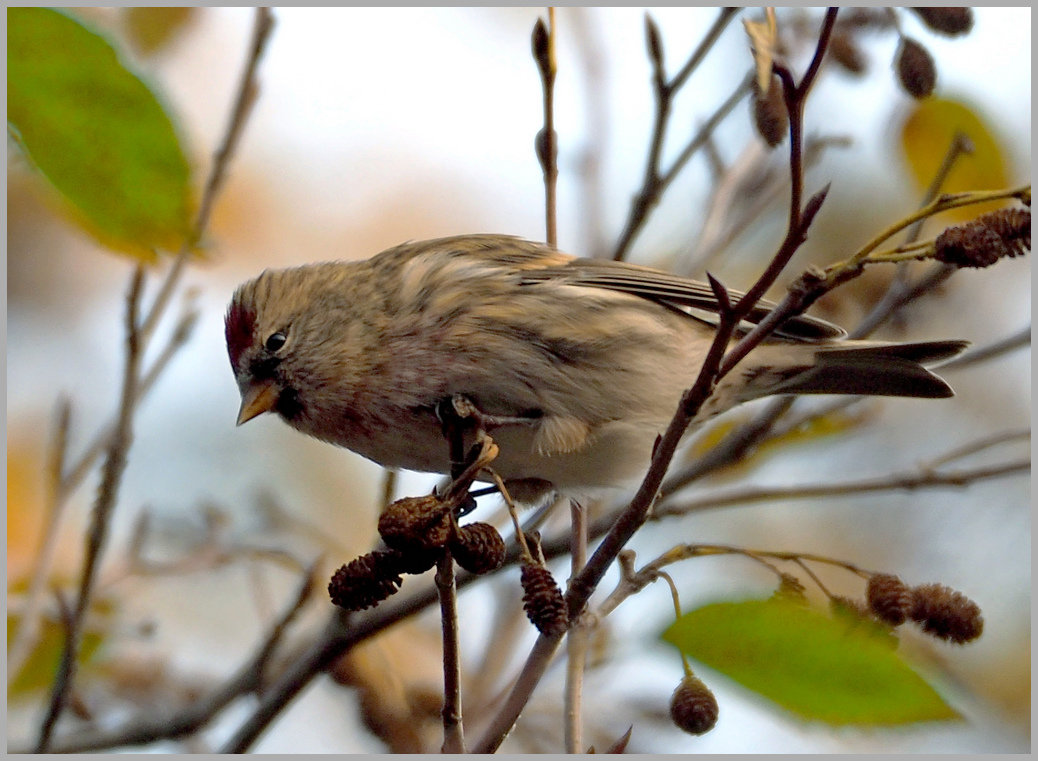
(417, 531)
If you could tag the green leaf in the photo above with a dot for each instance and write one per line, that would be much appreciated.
(96, 132)
(832, 670)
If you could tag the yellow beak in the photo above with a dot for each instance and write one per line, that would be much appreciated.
(259, 398)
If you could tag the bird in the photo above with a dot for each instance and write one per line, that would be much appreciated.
(575, 365)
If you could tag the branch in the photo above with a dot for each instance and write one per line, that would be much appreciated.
(249, 678)
(577, 637)
(247, 92)
(453, 728)
(664, 92)
(111, 477)
(918, 479)
(1018, 340)
(634, 516)
(69, 480)
(547, 139)
(343, 630)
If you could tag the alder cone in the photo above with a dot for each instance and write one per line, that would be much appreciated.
(889, 598)
(364, 582)
(946, 613)
(415, 523)
(693, 706)
(478, 548)
(543, 601)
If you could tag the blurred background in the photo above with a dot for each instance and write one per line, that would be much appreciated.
(375, 126)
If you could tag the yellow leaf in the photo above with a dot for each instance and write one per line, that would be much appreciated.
(763, 41)
(831, 424)
(926, 135)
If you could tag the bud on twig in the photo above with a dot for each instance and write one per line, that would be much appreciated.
(770, 114)
(654, 43)
(540, 44)
(949, 21)
(915, 68)
(846, 53)
(813, 206)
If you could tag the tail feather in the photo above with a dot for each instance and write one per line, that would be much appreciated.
(873, 369)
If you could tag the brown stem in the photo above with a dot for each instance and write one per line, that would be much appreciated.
(453, 728)
(547, 140)
(247, 90)
(344, 630)
(111, 477)
(577, 637)
(664, 93)
(249, 678)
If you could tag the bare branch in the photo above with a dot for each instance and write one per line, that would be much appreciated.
(1018, 340)
(648, 196)
(547, 139)
(249, 678)
(892, 482)
(111, 477)
(453, 728)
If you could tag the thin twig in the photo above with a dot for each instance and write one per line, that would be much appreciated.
(64, 480)
(973, 447)
(959, 146)
(389, 479)
(453, 728)
(247, 91)
(647, 197)
(111, 477)
(71, 479)
(249, 678)
(138, 332)
(634, 516)
(81, 468)
(1018, 340)
(891, 482)
(547, 139)
(343, 630)
(576, 638)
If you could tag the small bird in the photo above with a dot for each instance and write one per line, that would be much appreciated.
(576, 364)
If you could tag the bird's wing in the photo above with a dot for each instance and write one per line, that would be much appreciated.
(673, 290)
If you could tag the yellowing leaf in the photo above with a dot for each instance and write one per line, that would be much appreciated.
(152, 28)
(831, 424)
(819, 668)
(96, 132)
(38, 671)
(928, 132)
(763, 41)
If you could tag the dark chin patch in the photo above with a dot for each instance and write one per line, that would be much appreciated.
(264, 368)
(288, 404)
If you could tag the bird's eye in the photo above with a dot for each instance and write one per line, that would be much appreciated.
(276, 341)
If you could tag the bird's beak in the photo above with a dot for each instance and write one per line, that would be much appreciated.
(257, 399)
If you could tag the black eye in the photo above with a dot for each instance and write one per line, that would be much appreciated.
(276, 341)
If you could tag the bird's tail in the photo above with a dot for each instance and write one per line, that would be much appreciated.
(875, 369)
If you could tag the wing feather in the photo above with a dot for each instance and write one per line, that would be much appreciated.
(673, 290)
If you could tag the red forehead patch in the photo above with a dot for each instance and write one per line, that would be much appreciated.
(238, 330)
